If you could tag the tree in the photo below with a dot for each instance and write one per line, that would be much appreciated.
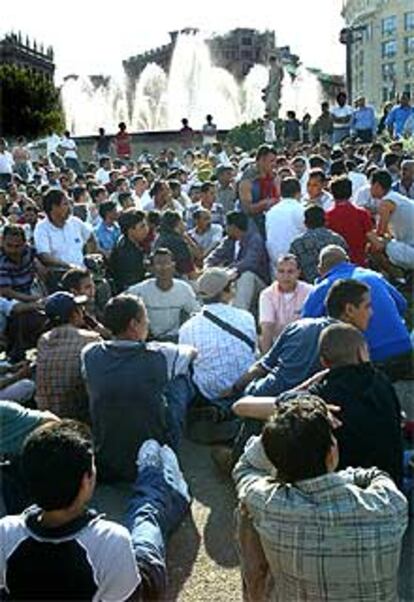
(29, 104)
(249, 136)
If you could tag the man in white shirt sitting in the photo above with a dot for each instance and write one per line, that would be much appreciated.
(285, 220)
(169, 301)
(60, 237)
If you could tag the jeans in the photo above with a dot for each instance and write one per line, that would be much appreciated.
(180, 392)
(155, 510)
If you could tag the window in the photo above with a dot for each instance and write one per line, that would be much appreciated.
(389, 26)
(389, 49)
(409, 45)
(246, 41)
(408, 88)
(409, 21)
(388, 71)
(409, 69)
(246, 54)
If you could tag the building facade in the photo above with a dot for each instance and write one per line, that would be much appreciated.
(27, 55)
(382, 48)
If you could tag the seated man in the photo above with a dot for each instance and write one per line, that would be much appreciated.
(169, 301)
(205, 234)
(224, 336)
(242, 249)
(316, 190)
(387, 334)
(311, 520)
(60, 386)
(353, 223)
(137, 390)
(108, 231)
(126, 262)
(282, 302)
(60, 549)
(394, 237)
(60, 238)
(16, 423)
(369, 432)
(172, 236)
(308, 245)
(18, 267)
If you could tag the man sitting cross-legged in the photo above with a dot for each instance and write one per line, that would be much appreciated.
(59, 549)
(311, 520)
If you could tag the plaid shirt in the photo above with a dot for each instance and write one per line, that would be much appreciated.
(307, 246)
(59, 384)
(335, 537)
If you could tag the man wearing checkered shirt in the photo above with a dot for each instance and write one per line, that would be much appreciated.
(325, 535)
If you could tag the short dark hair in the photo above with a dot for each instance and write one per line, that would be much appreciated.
(317, 161)
(391, 159)
(161, 252)
(14, 230)
(169, 220)
(317, 172)
(338, 167)
(383, 178)
(264, 150)
(77, 192)
(120, 310)
(238, 219)
(298, 437)
(52, 198)
(289, 187)
(129, 219)
(314, 216)
(96, 190)
(339, 344)
(106, 207)
(341, 188)
(55, 458)
(71, 280)
(206, 186)
(343, 292)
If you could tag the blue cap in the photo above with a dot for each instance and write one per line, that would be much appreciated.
(60, 305)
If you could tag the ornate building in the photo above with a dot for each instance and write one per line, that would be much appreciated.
(382, 56)
(16, 51)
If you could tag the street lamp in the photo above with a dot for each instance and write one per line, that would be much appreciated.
(347, 36)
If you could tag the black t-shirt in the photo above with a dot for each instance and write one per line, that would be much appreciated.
(126, 264)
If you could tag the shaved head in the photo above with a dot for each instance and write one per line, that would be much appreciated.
(330, 256)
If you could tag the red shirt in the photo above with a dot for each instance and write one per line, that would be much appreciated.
(122, 145)
(353, 223)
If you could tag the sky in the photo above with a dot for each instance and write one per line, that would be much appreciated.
(93, 37)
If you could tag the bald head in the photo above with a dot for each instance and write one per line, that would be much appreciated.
(329, 257)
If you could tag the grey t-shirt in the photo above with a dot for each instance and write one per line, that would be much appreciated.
(16, 423)
(167, 310)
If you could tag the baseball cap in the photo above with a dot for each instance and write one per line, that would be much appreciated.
(214, 281)
(222, 167)
(60, 305)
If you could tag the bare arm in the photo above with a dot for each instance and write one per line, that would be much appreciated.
(260, 408)
(385, 211)
(246, 199)
(9, 293)
(267, 336)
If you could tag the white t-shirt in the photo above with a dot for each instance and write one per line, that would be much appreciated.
(165, 308)
(69, 147)
(52, 143)
(340, 113)
(6, 163)
(359, 180)
(65, 244)
(102, 176)
(284, 222)
(209, 133)
(269, 131)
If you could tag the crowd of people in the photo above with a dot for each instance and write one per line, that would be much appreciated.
(257, 299)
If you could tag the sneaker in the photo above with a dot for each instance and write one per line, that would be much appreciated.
(172, 472)
(149, 454)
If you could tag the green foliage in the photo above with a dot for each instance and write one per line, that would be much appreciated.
(246, 136)
(29, 104)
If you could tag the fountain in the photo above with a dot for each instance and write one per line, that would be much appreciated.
(193, 88)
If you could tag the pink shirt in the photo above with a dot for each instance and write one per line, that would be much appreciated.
(282, 308)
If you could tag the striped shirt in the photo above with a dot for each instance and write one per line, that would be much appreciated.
(18, 276)
(334, 537)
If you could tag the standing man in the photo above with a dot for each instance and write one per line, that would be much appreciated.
(209, 131)
(396, 118)
(122, 143)
(363, 121)
(225, 193)
(342, 115)
(323, 127)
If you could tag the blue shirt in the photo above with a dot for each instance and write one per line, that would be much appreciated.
(387, 335)
(397, 117)
(364, 119)
(107, 236)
